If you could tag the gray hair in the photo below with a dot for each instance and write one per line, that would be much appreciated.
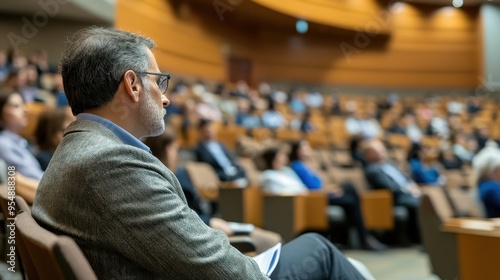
(95, 61)
(485, 163)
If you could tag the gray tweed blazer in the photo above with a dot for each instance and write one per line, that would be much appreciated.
(128, 214)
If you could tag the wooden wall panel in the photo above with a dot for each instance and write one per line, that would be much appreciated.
(423, 49)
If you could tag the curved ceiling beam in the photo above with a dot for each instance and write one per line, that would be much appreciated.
(358, 15)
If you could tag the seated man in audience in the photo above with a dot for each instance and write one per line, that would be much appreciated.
(165, 148)
(214, 153)
(381, 174)
(122, 206)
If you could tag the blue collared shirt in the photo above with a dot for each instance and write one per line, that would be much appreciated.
(14, 151)
(121, 133)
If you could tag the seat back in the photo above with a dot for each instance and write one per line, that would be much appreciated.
(71, 260)
(253, 174)
(441, 246)
(455, 179)
(55, 257)
(20, 204)
(204, 179)
(466, 202)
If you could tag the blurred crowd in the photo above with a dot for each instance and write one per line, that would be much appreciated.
(440, 132)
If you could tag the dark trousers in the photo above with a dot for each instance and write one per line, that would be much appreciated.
(311, 256)
(411, 203)
(351, 205)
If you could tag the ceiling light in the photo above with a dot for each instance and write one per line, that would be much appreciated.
(302, 26)
(457, 3)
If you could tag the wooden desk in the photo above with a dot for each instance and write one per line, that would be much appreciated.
(241, 205)
(290, 215)
(478, 243)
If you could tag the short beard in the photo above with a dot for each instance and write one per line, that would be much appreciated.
(151, 117)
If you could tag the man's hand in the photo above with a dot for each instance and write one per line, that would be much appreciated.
(414, 190)
(222, 225)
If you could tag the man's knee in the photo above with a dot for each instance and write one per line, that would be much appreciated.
(323, 248)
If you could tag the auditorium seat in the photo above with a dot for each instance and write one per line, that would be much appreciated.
(34, 110)
(291, 215)
(434, 210)
(204, 179)
(55, 257)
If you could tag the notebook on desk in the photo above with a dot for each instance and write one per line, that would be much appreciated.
(241, 228)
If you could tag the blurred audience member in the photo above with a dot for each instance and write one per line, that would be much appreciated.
(489, 184)
(314, 100)
(271, 118)
(49, 133)
(423, 172)
(61, 100)
(15, 151)
(165, 148)
(250, 119)
(482, 159)
(306, 125)
(4, 69)
(212, 152)
(363, 126)
(439, 126)
(461, 147)
(482, 135)
(397, 126)
(16, 59)
(277, 177)
(473, 105)
(297, 102)
(381, 174)
(206, 107)
(241, 90)
(345, 196)
(455, 107)
(412, 130)
(41, 59)
(448, 158)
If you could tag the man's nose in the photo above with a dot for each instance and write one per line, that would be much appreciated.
(165, 101)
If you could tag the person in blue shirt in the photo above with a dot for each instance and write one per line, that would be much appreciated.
(489, 184)
(421, 172)
(14, 149)
(345, 196)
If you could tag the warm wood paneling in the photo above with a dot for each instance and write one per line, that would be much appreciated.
(345, 14)
(424, 48)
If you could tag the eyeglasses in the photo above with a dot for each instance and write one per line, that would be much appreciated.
(162, 81)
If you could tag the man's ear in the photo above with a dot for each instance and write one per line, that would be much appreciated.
(132, 85)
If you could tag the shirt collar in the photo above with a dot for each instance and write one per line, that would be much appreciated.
(121, 133)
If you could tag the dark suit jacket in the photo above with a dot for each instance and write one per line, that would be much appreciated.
(202, 154)
(192, 197)
(377, 179)
(128, 214)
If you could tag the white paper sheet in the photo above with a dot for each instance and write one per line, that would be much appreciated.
(268, 260)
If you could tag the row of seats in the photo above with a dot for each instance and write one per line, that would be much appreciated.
(42, 254)
(289, 215)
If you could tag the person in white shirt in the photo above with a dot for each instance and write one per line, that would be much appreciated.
(278, 178)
